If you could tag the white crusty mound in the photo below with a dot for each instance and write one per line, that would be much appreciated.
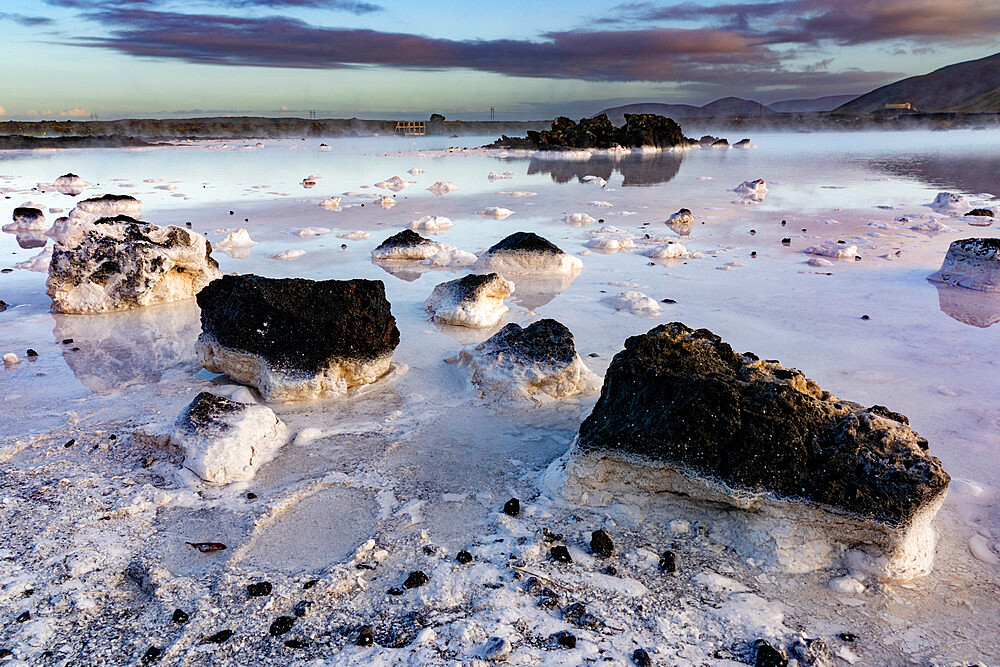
(408, 245)
(105, 206)
(971, 263)
(26, 219)
(636, 303)
(949, 202)
(681, 222)
(386, 202)
(120, 263)
(667, 251)
(69, 184)
(442, 188)
(474, 301)
(834, 250)
(752, 191)
(396, 183)
(579, 219)
(330, 203)
(531, 363)
(495, 212)
(450, 258)
(527, 253)
(223, 441)
(431, 224)
(236, 243)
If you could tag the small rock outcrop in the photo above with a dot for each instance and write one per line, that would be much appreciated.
(526, 252)
(294, 338)
(681, 412)
(26, 219)
(473, 301)
(223, 441)
(980, 213)
(529, 362)
(971, 263)
(106, 206)
(681, 222)
(408, 245)
(639, 130)
(69, 184)
(752, 191)
(120, 263)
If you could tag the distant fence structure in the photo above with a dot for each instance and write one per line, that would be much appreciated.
(899, 105)
(411, 128)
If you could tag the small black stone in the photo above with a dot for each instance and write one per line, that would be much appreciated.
(309, 584)
(668, 561)
(180, 617)
(560, 554)
(752, 232)
(610, 570)
(251, 495)
(366, 637)
(866, 317)
(259, 589)
(152, 654)
(67, 341)
(641, 658)
(281, 625)
(601, 544)
(296, 643)
(667, 301)
(219, 637)
(395, 591)
(232, 213)
(512, 507)
(5, 652)
(416, 579)
(550, 536)
(300, 608)
(429, 549)
(753, 253)
(343, 245)
(23, 616)
(463, 557)
(786, 241)
(548, 598)
(783, 223)
(578, 615)
(31, 353)
(765, 655)
(188, 224)
(565, 639)
(593, 355)
(70, 443)
(848, 637)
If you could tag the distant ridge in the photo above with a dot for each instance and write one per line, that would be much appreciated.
(727, 106)
(817, 104)
(972, 86)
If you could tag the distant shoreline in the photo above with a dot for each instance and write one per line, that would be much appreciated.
(26, 135)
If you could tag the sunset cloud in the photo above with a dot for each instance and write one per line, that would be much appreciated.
(75, 111)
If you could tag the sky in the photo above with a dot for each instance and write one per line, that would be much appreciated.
(404, 59)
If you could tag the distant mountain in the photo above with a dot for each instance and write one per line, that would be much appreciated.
(727, 106)
(828, 103)
(971, 86)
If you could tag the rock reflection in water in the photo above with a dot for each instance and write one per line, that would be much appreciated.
(402, 268)
(29, 240)
(535, 291)
(121, 349)
(966, 172)
(648, 168)
(979, 309)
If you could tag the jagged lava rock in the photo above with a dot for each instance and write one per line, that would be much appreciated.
(473, 301)
(526, 252)
(523, 363)
(681, 412)
(971, 263)
(294, 338)
(120, 263)
(408, 245)
(223, 441)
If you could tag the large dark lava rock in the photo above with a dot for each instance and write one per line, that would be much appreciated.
(296, 338)
(598, 132)
(686, 399)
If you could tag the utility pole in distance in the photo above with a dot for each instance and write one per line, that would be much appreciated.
(491, 114)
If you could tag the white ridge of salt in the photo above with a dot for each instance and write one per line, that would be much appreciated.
(308, 232)
(288, 255)
(450, 257)
(441, 188)
(667, 251)
(636, 303)
(431, 224)
(579, 219)
(594, 180)
(355, 236)
(330, 203)
(834, 250)
(396, 183)
(495, 212)
(415, 170)
(600, 204)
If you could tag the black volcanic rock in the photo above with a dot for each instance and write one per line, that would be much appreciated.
(598, 132)
(525, 242)
(295, 329)
(981, 212)
(407, 244)
(545, 342)
(685, 398)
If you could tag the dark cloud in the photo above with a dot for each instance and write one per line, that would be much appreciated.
(25, 20)
(354, 7)
(845, 22)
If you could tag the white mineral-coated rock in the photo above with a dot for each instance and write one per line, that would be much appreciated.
(524, 262)
(69, 184)
(600, 204)
(451, 258)
(239, 238)
(11, 359)
(358, 235)
(973, 264)
(636, 303)
(39, 263)
(277, 384)
(229, 444)
(667, 251)
(91, 210)
(330, 203)
(819, 262)
(442, 188)
(500, 379)
(26, 220)
(494, 176)
(386, 202)
(496, 212)
(753, 191)
(579, 219)
(308, 232)
(784, 535)
(834, 250)
(949, 202)
(681, 217)
(478, 305)
(288, 255)
(121, 265)
(396, 183)
(610, 244)
(594, 180)
(413, 252)
(431, 224)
